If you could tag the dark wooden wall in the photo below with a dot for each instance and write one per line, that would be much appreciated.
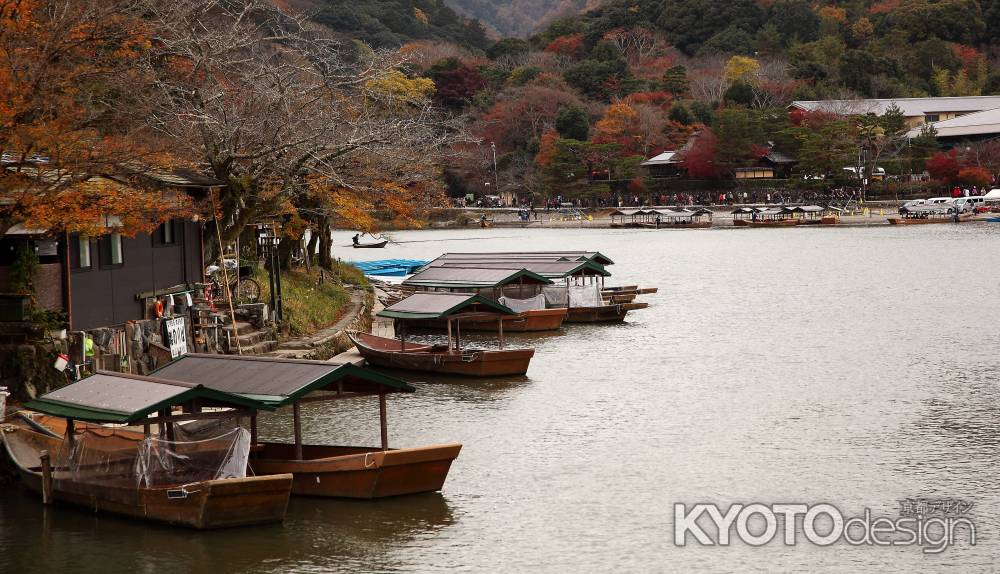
(104, 295)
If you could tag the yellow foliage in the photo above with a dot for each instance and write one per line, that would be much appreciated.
(741, 69)
(420, 16)
(397, 86)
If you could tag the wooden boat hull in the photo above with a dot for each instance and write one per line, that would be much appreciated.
(202, 505)
(619, 298)
(383, 352)
(526, 322)
(829, 220)
(358, 472)
(774, 223)
(697, 225)
(378, 245)
(602, 314)
(919, 221)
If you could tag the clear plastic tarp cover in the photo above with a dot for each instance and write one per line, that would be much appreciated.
(585, 296)
(125, 458)
(521, 305)
(555, 296)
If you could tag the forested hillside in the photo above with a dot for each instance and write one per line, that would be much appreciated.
(520, 17)
(392, 23)
(590, 96)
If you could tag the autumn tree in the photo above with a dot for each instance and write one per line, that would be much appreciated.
(70, 159)
(280, 112)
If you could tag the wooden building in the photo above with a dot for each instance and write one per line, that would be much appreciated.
(97, 281)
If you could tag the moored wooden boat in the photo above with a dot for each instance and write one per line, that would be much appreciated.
(533, 321)
(110, 470)
(927, 214)
(323, 470)
(208, 504)
(392, 353)
(358, 472)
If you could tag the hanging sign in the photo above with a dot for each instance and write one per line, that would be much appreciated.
(176, 336)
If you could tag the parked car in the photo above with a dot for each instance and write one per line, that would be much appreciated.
(913, 202)
(969, 204)
(939, 200)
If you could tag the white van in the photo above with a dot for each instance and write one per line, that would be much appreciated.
(969, 204)
(939, 200)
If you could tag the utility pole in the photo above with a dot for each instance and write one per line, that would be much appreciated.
(496, 174)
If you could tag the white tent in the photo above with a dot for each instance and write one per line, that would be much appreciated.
(993, 195)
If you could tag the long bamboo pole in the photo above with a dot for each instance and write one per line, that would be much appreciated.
(225, 275)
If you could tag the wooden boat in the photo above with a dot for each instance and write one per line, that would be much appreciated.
(927, 214)
(790, 222)
(619, 298)
(104, 473)
(395, 354)
(206, 504)
(533, 321)
(829, 220)
(603, 313)
(358, 472)
(377, 245)
(323, 470)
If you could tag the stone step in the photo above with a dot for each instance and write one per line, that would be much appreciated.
(260, 348)
(252, 338)
(241, 328)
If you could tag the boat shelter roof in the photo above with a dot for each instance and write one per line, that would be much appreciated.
(440, 304)
(739, 210)
(278, 382)
(809, 209)
(473, 277)
(123, 398)
(595, 256)
(935, 208)
(549, 269)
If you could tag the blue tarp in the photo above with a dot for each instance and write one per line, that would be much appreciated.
(389, 267)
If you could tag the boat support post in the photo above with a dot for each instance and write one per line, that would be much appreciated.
(500, 329)
(384, 427)
(297, 429)
(46, 477)
(70, 434)
(448, 321)
(253, 428)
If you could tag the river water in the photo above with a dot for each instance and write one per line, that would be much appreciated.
(851, 366)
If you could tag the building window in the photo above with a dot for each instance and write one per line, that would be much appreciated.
(111, 252)
(168, 233)
(83, 249)
(116, 249)
(932, 118)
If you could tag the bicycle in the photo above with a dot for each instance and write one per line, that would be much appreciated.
(242, 286)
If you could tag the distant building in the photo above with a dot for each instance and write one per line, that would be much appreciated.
(969, 127)
(772, 165)
(916, 111)
(666, 164)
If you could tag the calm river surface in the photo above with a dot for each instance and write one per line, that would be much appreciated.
(855, 366)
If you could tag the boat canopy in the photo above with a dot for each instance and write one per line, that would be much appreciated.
(808, 209)
(741, 210)
(108, 397)
(549, 269)
(278, 382)
(473, 277)
(928, 208)
(594, 256)
(440, 304)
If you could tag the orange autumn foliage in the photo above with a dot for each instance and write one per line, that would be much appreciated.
(64, 69)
